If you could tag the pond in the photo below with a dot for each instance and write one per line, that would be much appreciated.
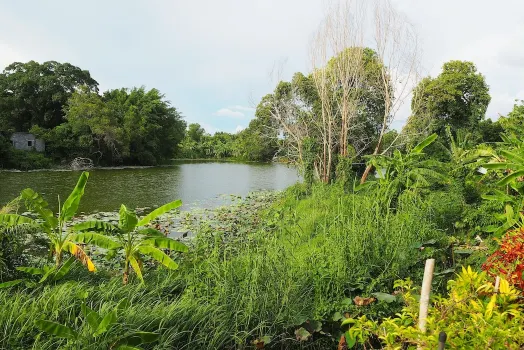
(198, 184)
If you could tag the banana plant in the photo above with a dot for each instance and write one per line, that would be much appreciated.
(61, 238)
(97, 325)
(408, 171)
(133, 239)
(508, 166)
(511, 163)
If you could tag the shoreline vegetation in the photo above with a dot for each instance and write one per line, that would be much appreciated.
(333, 262)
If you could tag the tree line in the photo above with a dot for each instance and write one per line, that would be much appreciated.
(61, 104)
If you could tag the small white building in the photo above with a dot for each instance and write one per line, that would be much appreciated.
(26, 141)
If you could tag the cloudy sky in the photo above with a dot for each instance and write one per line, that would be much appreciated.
(213, 59)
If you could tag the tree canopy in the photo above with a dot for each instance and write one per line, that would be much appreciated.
(458, 96)
(125, 125)
(35, 93)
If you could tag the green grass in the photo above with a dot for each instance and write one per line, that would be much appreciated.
(251, 272)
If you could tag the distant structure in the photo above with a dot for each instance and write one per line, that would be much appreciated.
(26, 141)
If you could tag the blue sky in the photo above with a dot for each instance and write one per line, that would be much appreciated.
(213, 59)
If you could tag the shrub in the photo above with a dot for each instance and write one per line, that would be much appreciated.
(27, 160)
(473, 316)
(508, 259)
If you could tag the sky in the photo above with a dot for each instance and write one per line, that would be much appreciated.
(214, 60)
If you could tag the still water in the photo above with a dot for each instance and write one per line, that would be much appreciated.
(197, 184)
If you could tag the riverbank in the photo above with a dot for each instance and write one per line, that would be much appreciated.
(274, 268)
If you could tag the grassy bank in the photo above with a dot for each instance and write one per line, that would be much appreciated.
(267, 267)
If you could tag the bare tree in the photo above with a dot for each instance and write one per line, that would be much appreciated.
(396, 44)
(337, 62)
(340, 79)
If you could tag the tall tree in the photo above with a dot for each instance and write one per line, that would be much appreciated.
(458, 97)
(259, 141)
(126, 126)
(35, 94)
(195, 132)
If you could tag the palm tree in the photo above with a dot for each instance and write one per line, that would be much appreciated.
(133, 239)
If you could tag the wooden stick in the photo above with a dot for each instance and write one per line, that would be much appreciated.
(424, 294)
(497, 284)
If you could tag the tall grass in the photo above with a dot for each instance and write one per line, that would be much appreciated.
(300, 260)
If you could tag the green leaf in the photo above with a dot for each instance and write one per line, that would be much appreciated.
(510, 178)
(463, 251)
(82, 294)
(365, 185)
(337, 316)
(313, 326)
(444, 272)
(497, 196)
(136, 267)
(266, 339)
(388, 298)
(123, 304)
(64, 269)
(14, 219)
(36, 203)
(97, 226)
(151, 232)
(137, 338)
(47, 274)
(347, 321)
(127, 347)
(56, 329)
(92, 317)
(96, 239)
(166, 243)
(72, 202)
(426, 142)
(513, 157)
(159, 211)
(106, 322)
(350, 340)
(32, 270)
(128, 219)
(10, 284)
(496, 166)
(158, 255)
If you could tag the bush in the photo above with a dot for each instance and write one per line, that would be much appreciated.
(27, 160)
(508, 259)
(473, 316)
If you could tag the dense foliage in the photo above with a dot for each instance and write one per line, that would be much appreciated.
(311, 267)
(475, 315)
(284, 271)
(60, 104)
(251, 144)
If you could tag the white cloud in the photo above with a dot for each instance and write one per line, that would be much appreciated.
(237, 111)
(225, 62)
(227, 112)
